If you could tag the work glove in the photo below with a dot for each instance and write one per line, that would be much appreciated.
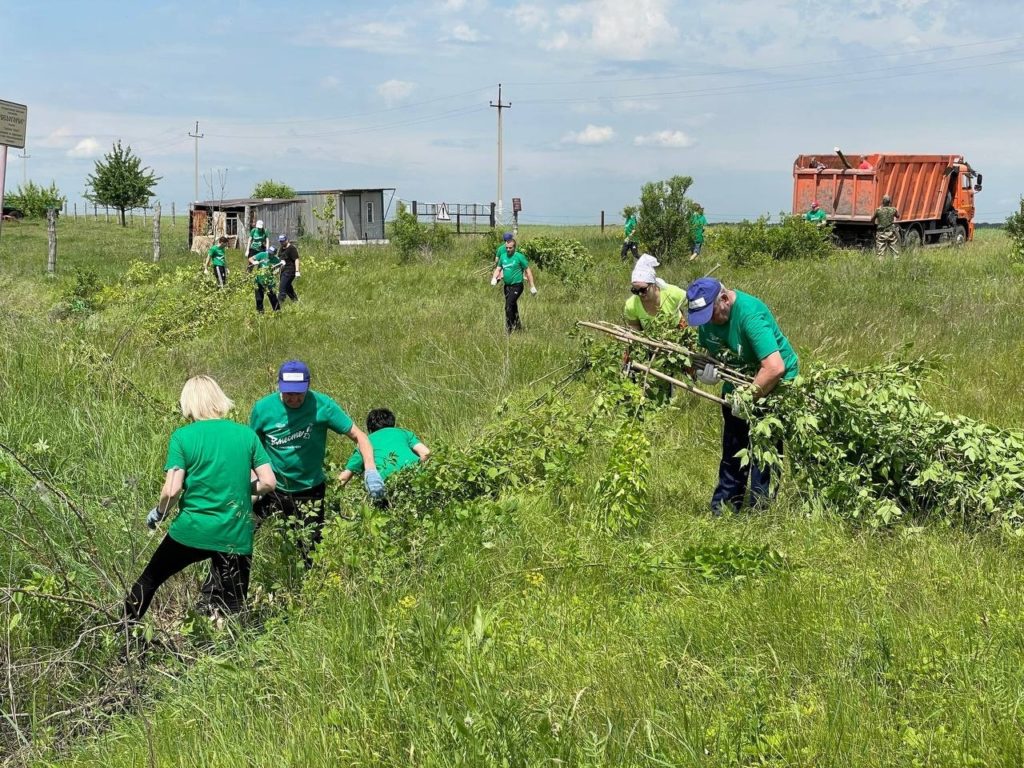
(154, 517)
(533, 290)
(494, 281)
(298, 274)
(374, 483)
(709, 375)
(740, 407)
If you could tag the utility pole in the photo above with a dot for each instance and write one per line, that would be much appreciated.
(24, 167)
(197, 136)
(500, 106)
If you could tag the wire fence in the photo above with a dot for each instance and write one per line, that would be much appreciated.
(86, 211)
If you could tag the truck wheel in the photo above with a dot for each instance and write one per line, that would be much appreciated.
(912, 238)
(959, 235)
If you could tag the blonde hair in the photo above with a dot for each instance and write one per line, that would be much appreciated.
(202, 398)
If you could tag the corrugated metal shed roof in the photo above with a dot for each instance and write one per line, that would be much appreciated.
(244, 201)
(341, 191)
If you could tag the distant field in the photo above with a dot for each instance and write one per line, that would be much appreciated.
(528, 636)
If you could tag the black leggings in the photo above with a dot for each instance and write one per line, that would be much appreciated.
(232, 575)
(221, 273)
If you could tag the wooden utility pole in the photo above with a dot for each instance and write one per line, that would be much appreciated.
(51, 236)
(197, 136)
(500, 106)
(156, 232)
(24, 167)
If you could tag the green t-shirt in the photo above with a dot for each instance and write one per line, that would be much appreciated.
(216, 254)
(818, 214)
(630, 226)
(392, 451)
(216, 511)
(749, 337)
(512, 267)
(697, 224)
(296, 438)
(257, 238)
(264, 269)
(672, 298)
(885, 218)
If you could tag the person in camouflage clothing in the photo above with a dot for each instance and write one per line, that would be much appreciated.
(886, 233)
(265, 266)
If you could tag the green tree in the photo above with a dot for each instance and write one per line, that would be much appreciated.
(121, 181)
(664, 217)
(271, 188)
(1015, 229)
(33, 200)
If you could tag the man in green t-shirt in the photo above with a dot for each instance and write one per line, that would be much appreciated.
(508, 245)
(886, 233)
(217, 256)
(293, 424)
(741, 331)
(816, 215)
(628, 243)
(259, 239)
(393, 449)
(697, 223)
(511, 267)
(265, 265)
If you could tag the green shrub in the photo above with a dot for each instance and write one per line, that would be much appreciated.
(412, 239)
(1015, 229)
(752, 243)
(271, 188)
(664, 228)
(567, 259)
(33, 200)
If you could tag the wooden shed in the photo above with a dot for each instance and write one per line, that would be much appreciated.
(233, 219)
(359, 212)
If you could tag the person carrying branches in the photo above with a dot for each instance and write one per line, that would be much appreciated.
(266, 265)
(738, 328)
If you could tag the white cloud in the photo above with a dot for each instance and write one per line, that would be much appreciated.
(672, 139)
(85, 148)
(330, 83)
(527, 17)
(464, 33)
(603, 27)
(376, 36)
(56, 139)
(394, 91)
(589, 136)
(559, 42)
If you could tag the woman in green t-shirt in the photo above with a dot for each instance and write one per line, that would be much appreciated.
(210, 463)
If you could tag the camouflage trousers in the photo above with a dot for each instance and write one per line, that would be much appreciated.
(886, 242)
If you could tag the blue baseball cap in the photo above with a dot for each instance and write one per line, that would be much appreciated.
(293, 376)
(508, 236)
(700, 300)
(282, 238)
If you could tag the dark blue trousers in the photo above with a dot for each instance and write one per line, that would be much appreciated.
(732, 478)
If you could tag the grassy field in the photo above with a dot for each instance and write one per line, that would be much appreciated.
(527, 636)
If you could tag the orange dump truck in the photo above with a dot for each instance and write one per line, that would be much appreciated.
(933, 193)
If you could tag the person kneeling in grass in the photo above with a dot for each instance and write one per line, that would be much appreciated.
(208, 475)
(393, 449)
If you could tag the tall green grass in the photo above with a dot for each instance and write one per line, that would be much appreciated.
(527, 636)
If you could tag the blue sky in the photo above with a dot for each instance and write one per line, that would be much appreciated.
(605, 95)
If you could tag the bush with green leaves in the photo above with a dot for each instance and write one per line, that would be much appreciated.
(663, 226)
(865, 445)
(273, 189)
(1015, 229)
(759, 242)
(412, 239)
(34, 200)
(565, 258)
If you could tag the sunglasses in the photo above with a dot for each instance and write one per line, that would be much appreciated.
(639, 291)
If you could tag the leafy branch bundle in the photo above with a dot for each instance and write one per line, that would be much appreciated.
(565, 258)
(868, 446)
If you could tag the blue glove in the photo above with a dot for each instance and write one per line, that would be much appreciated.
(374, 483)
(154, 517)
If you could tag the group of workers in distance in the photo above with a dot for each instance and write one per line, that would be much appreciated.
(226, 478)
(887, 239)
(698, 221)
(267, 263)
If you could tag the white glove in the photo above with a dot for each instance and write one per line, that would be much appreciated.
(298, 274)
(709, 375)
(494, 281)
(533, 290)
(740, 408)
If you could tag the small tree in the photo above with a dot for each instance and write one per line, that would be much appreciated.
(120, 181)
(411, 238)
(271, 188)
(327, 216)
(33, 200)
(1015, 229)
(665, 211)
